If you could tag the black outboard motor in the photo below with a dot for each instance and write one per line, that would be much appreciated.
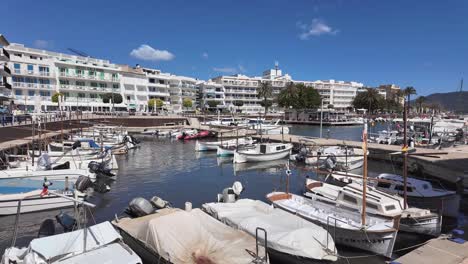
(66, 221)
(83, 183)
(330, 162)
(99, 168)
(139, 207)
(47, 228)
(76, 144)
(134, 140)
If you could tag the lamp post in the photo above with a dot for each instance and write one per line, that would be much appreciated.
(321, 118)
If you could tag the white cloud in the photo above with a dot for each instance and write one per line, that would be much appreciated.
(225, 69)
(146, 52)
(42, 44)
(317, 28)
(205, 55)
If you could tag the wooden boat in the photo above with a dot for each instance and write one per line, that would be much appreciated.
(414, 220)
(263, 152)
(175, 236)
(208, 146)
(288, 235)
(378, 235)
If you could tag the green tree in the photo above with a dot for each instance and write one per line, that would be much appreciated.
(115, 97)
(155, 103)
(369, 99)
(212, 104)
(187, 103)
(408, 92)
(265, 92)
(307, 97)
(55, 97)
(419, 102)
(287, 97)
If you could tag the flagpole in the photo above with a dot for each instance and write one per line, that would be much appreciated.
(364, 176)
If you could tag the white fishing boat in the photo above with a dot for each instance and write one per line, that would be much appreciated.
(414, 220)
(386, 137)
(377, 235)
(421, 193)
(96, 244)
(344, 158)
(37, 200)
(72, 174)
(175, 236)
(267, 128)
(263, 152)
(208, 146)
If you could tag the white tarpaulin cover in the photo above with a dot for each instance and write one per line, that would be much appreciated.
(286, 232)
(73, 242)
(184, 237)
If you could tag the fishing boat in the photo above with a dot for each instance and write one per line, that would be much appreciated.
(343, 158)
(289, 237)
(171, 235)
(208, 146)
(72, 174)
(263, 152)
(39, 195)
(96, 244)
(267, 128)
(377, 234)
(413, 220)
(421, 193)
(35, 201)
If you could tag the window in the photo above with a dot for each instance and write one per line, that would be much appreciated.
(18, 92)
(19, 55)
(31, 92)
(63, 71)
(385, 185)
(66, 94)
(372, 206)
(81, 95)
(350, 199)
(45, 93)
(103, 85)
(115, 76)
(80, 83)
(390, 207)
(115, 86)
(91, 73)
(79, 72)
(92, 95)
(93, 84)
(17, 67)
(33, 57)
(30, 68)
(64, 82)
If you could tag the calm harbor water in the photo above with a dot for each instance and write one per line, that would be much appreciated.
(174, 171)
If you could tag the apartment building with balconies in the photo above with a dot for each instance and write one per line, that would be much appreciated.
(339, 94)
(38, 74)
(5, 73)
(211, 95)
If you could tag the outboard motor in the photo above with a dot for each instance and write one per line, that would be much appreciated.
(47, 228)
(66, 221)
(99, 168)
(76, 144)
(139, 207)
(330, 162)
(231, 194)
(83, 183)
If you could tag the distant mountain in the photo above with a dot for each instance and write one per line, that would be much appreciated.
(453, 101)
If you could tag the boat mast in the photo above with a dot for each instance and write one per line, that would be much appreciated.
(364, 175)
(405, 152)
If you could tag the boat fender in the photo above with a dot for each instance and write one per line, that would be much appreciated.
(66, 221)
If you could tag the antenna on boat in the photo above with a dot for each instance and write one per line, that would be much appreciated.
(405, 152)
(364, 174)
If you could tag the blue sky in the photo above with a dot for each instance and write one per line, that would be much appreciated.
(418, 43)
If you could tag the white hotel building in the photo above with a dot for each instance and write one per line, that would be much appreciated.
(239, 87)
(37, 74)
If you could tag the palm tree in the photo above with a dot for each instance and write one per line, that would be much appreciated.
(265, 92)
(419, 102)
(372, 97)
(408, 92)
